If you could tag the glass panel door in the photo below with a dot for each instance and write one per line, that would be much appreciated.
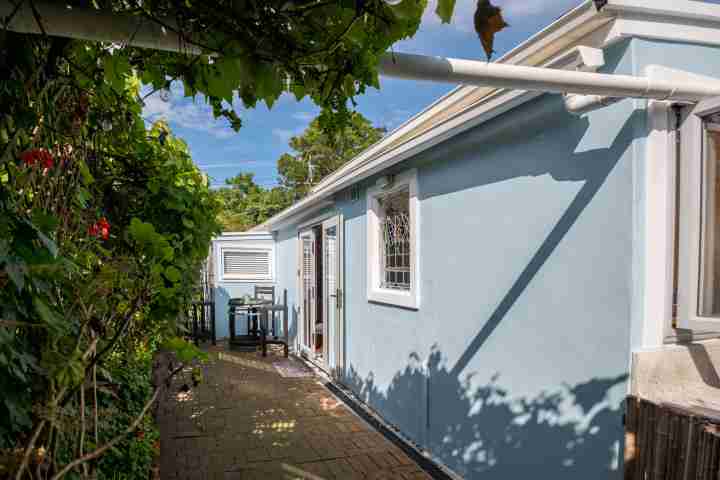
(330, 303)
(307, 279)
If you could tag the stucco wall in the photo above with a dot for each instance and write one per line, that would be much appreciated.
(287, 264)
(225, 289)
(516, 362)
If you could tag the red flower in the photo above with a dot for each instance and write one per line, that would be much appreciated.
(38, 156)
(101, 229)
(104, 227)
(140, 434)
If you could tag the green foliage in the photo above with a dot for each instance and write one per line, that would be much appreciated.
(104, 224)
(325, 151)
(245, 204)
(445, 9)
(255, 51)
(134, 455)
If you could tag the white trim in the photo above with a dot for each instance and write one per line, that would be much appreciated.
(317, 220)
(691, 224)
(659, 225)
(676, 9)
(221, 245)
(409, 298)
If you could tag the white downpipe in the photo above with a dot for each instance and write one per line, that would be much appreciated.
(95, 25)
(581, 104)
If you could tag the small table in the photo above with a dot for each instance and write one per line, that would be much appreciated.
(254, 335)
(269, 310)
(257, 333)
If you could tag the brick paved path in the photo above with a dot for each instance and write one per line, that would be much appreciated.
(245, 421)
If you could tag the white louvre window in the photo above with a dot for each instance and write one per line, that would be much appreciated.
(395, 240)
(246, 264)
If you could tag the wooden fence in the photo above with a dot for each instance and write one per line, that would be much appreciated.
(669, 442)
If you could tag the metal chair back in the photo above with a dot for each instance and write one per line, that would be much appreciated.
(265, 293)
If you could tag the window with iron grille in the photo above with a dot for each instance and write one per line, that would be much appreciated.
(395, 240)
(393, 248)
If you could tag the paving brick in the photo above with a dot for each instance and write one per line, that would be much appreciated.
(245, 421)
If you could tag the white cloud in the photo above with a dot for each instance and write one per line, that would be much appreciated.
(525, 8)
(394, 118)
(285, 134)
(513, 11)
(303, 116)
(183, 112)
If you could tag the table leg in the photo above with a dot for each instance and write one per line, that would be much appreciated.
(231, 316)
(263, 332)
(285, 329)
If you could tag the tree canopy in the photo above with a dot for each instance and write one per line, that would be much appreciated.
(315, 154)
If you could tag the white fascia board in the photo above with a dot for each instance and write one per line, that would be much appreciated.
(687, 9)
(655, 27)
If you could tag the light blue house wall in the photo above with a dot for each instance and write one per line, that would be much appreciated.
(516, 362)
(224, 291)
(225, 288)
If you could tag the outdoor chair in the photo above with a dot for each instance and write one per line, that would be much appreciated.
(268, 312)
(261, 293)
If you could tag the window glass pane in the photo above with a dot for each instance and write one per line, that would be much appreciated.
(709, 297)
(395, 240)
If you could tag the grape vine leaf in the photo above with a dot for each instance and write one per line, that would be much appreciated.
(445, 9)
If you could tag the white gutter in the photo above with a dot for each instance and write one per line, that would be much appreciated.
(473, 72)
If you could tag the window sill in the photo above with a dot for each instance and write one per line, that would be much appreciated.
(406, 299)
(245, 280)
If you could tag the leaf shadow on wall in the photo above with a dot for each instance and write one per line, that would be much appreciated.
(573, 431)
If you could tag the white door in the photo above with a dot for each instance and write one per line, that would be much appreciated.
(307, 292)
(333, 295)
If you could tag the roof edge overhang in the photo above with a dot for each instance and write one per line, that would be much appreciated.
(594, 23)
(410, 138)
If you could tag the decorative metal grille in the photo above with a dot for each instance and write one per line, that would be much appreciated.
(395, 241)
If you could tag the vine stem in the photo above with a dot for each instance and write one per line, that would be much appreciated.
(28, 450)
(81, 448)
(38, 430)
(99, 451)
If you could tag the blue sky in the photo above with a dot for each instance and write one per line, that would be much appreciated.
(222, 153)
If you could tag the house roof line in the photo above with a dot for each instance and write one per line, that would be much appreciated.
(597, 24)
(530, 52)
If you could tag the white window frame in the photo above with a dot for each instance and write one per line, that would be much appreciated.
(250, 248)
(663, 196)
(693, 151)
(375, 293)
